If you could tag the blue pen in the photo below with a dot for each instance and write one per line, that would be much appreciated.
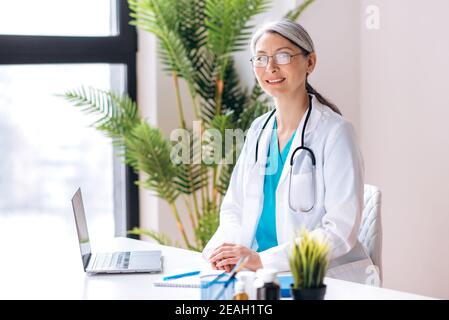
(181, 275)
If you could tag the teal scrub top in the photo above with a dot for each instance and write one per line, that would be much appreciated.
(266, 229)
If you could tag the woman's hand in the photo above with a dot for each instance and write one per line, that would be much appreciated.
(226, 256)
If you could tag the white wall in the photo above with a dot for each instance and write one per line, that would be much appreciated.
(147, 93)
(390, 83)
(405, 138)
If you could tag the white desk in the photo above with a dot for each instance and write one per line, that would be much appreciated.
(27, 277)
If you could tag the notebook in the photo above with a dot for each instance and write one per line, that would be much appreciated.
(185, 282)
(190, 282)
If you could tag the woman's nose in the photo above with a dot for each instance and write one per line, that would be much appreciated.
(271, 65)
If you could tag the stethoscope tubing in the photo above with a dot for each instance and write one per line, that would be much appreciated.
(301, 147)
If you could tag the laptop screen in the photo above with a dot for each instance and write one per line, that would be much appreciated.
(81, 226)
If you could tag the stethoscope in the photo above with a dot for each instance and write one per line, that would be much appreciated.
(309, 152)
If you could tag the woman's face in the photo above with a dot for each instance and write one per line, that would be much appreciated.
(284, 79)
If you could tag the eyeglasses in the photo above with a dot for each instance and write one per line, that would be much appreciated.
(279, 58)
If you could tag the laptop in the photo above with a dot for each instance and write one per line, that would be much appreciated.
(111, 262)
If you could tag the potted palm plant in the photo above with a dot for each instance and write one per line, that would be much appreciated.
(308, 264)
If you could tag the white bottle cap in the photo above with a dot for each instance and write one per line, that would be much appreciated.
(267, 275)
(239, 287)
(246, 276)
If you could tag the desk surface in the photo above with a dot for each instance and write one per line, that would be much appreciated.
(62, 277)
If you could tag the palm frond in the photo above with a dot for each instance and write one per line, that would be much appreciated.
(225, 178)
(189, 177)
(205, 80)
(149, 152)
(227, 23)
(214, 146)
(250, 113)
(234, 96)
(117, 114)
(223, 122)
(232, 151)
(160, 18)
(296, 12)
(207, 225)
(257, 94)
(191, 27)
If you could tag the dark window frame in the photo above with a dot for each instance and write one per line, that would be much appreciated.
(121, 48)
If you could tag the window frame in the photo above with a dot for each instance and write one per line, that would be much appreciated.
(118, 49)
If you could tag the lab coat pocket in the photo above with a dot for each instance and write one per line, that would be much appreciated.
(302, 191)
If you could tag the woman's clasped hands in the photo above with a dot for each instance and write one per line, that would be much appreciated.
(226, 256)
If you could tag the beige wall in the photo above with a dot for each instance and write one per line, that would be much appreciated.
(390, 83)
(334, 28)
(405, 138)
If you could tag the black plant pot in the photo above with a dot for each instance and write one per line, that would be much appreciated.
(308, 293)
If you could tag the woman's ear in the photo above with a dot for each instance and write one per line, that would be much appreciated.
(311, 62)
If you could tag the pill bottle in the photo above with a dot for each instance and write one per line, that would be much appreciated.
(248, 277)
(270, 290)
(240, 293)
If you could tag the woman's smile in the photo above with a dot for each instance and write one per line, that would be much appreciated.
(276, 81)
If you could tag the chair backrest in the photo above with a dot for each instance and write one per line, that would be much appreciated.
(370, 234)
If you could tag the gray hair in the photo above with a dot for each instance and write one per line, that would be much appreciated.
(290, 30)
(294, 32)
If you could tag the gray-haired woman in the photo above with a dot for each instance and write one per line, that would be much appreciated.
(300, 166)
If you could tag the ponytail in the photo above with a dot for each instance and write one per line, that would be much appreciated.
(321, 99)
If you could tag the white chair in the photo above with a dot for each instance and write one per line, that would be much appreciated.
(370, 234)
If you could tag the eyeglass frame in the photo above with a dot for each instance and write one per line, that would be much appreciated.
(268, 58)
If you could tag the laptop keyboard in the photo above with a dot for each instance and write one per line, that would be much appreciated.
(111, 261)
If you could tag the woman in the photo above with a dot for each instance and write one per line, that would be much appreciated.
(265, 204)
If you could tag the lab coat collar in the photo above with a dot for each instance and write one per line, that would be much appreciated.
(315, 116)
(258, 169)
(265, 137)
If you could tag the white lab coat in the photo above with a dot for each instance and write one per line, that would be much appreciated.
(339, 195)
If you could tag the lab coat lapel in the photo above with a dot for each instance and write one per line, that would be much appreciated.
(257, 174)
(255, 183)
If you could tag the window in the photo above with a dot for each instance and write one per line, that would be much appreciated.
(46, 145)
(58, 18)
